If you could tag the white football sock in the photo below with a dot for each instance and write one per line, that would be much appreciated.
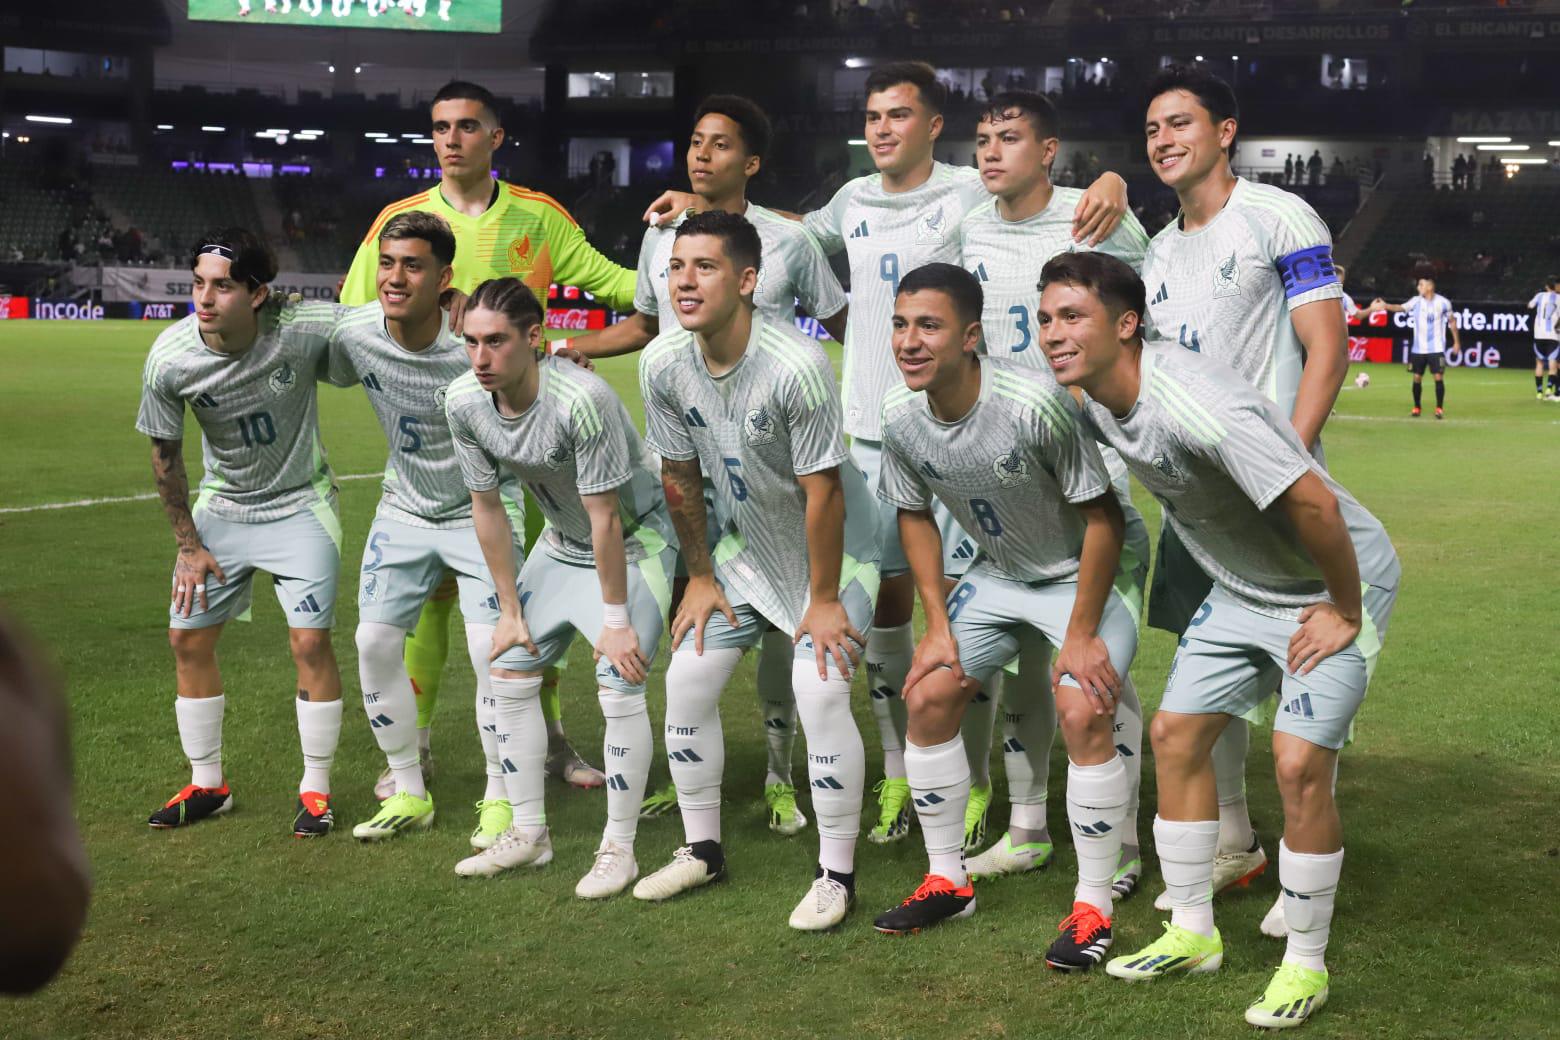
(940, 785)
(1129, 745)
(777, 703)
(200, 731)
(319, 731)
(626, 751)
(1028, 731)
(522, 746)
(836, 761)
(1310, 884)
(977, 727)
(889, 651)
(1186, 850)
(479, 647)
(695, 745)
(389, 701)
(1229, 775)
(1096, 805)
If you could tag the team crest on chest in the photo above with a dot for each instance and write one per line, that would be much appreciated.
(520, 255)
(556, 456)
(1011, 470)
(929, 226)
(1165, 468)
(282, 380)
(1226, 277)
(439, 395)
(758, 427)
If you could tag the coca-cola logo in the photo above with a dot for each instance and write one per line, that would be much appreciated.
(569, 318)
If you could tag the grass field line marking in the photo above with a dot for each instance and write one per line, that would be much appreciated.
(79, 503)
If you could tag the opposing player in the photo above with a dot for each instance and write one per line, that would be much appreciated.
(502, 230)
(1244, 273)
(1004, 242)
(726, 150)
(1000, 445)
(600, 568)
(752, 404)
(1305, 582)
(1432, 315)
(404, 352)
(890, 222)
(1545, 306)
(267, 503)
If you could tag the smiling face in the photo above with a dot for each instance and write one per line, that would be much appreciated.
(932, 344)
(1184, 143)
(501, 354)
(465, 136)
(901, 129)
(719, 165)
(1013, 157)
(1079, 334)
(224, 306)
(410, 279)
(707, 285)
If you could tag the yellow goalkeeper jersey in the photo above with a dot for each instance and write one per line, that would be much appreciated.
(523, 234)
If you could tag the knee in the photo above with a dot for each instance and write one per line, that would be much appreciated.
(1076, 717)
(378, 643)
(937, 694)
(191, 645)
(1301, 772)
(1172, 739)
(311, 647)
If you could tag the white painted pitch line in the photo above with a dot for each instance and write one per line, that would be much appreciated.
(80, 503)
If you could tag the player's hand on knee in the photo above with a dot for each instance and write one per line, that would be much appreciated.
(702, 598)
(189, 579)
(667, 204)
(511, 631)
(1100, 210)
(832, 633)
(936, 650)
(620, 646)
(1087, 660)
(1323, 631)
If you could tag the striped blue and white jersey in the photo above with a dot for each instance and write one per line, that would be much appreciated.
(1546, 309)
(1428, 318)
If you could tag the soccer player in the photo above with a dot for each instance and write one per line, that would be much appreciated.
(1004, 242)
(888, 223)
(601, 566)
(1432, 315)
(267, 502)
(1244, 273)
(726, 150)
(752, 403)
(501, 230)
(405, 354)
(999, 444)
(1545, 306)
(1305, 582)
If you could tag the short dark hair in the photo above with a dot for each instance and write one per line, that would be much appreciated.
(465, 90)
(1551, 281)
(1109, 278)
(952, 281)
(916, 73)
(510, 297)
(1211, 92)
(430, 227)
(737, 236)
(251, 260)
(750, 119)
(1037, 108)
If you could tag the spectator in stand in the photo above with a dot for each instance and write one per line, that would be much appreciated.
(1427, 165)
(1337, 172)
(1459, 172)
(1289, 169)
(1313, 167)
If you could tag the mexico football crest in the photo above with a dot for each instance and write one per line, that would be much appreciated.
(1166, 468)
(1226, 277)
(557, 455)
(930, 226)
(439, 395)
(282, 380)
(1011, 470)
(758, 427)
(370, 588)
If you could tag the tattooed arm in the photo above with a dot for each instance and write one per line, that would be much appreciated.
(194, 561)
(684, 486)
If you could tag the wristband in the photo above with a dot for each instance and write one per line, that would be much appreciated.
(614, 615)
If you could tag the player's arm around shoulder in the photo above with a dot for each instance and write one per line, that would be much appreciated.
(577, 262)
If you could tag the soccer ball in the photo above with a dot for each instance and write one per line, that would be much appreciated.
(1362, 380)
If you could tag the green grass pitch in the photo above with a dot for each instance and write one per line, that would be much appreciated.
(1446, 921)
